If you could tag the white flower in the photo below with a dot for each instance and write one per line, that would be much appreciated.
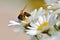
(36, 13)
(40, 25)
(40, 20)
(55, 36)
(53, 4)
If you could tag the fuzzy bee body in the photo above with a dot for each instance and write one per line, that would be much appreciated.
(22, 14)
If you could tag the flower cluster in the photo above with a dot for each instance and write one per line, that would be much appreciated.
(42, 24)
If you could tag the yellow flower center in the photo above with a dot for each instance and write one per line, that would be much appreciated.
(25, 20)
(41, 26)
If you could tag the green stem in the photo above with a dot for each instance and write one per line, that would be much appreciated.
(49, 33)
(37, 37)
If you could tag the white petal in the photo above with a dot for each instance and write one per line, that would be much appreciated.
(41, 20)
(31, 28)
(34, 12)
(33, 25)
(44, 18)
(12, 23)
(52, 20)
(48, 17)
(59, 1)
(41, 11)
(37, 23)
(48, 2)
(58, 23)
(54, 6)
(49, 7)
(31, 32)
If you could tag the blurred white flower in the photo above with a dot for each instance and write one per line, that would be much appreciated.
(36, 13)
(55, 36)
(53, 4)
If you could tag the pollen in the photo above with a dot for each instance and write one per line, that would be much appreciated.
(43, 25)
(25, 20)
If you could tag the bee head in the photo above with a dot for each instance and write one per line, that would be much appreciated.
(27, 14)
(21, 17)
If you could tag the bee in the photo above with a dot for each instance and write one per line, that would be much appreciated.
(22, 14)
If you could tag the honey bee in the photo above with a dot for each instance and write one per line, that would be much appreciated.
(22, 14)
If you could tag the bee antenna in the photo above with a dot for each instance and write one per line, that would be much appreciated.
(24, 8)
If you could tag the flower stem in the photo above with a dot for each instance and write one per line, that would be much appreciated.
(37, 37)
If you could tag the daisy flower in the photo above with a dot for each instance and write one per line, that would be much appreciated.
(39, 26)
(36, 13)
(40, 21)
